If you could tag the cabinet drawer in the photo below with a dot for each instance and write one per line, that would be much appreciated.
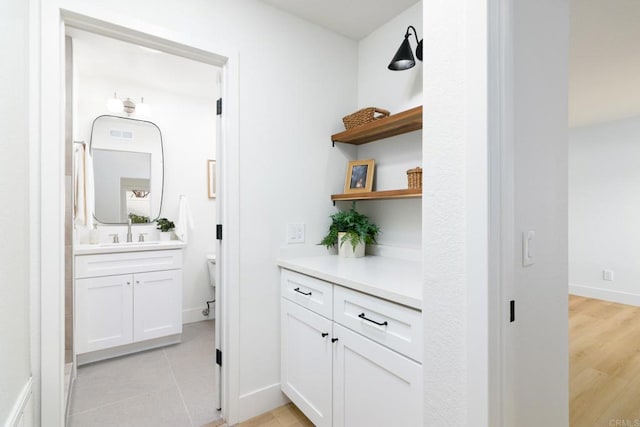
(127, 262)
(314, 294)
(393, 325)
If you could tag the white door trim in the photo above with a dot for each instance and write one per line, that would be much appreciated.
(98, 19)
(500, 201)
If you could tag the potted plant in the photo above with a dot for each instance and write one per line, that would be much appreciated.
(165, 226)
(350, 230)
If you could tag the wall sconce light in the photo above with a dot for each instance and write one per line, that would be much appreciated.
(115, 105)
(403, 59)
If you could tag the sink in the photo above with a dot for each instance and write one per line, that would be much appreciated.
(106, 248)
(127, 244)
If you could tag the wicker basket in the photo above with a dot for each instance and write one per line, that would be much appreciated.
(364, 116)
(415, 177)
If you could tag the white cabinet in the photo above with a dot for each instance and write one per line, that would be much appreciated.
(114, 309)
(349, 359)
(104, 312)
(306, 361)
(373, 385)
(157, 304)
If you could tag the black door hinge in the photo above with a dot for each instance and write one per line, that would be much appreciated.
(219, 231)
(218, 357)
(512, 311)
(219, 107)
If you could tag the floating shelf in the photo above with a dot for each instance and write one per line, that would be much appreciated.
(397, 124)
(377, 195)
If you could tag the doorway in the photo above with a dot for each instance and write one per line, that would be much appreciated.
(52, 124)
(144, 155)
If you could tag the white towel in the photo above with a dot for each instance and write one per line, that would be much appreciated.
(83, 205)
(90, 191)
(185, 220)
(79, 206)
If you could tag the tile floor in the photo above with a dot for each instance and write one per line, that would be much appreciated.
(171, 386)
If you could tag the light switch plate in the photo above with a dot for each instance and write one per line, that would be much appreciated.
(295, 232)
(527, 248)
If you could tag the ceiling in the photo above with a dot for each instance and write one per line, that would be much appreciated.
(604, 61)
(111, 59)
(355, 19)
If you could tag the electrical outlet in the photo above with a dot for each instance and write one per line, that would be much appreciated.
(607, 275)
(295, 233)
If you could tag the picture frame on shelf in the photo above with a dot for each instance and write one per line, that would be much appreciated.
(211, 178)
(359, 176)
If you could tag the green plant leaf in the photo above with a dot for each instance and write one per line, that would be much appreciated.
(356, 225)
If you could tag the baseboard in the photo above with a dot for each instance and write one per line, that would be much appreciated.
(192, 315)
(260, 401)
(108, 353)
(17, 415)
(605, 294)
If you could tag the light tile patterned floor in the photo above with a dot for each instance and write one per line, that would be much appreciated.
(172, 386)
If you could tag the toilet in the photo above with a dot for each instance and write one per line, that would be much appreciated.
(211, 265)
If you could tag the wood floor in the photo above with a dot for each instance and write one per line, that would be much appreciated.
(604, 349)
(284, 416)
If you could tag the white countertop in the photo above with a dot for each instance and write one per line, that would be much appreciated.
(393, 279)
(110, 248)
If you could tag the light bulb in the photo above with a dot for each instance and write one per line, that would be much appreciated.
(143, 110)
(114, 105)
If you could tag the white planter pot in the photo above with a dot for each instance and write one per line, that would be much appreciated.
(165, 235)
(346, 250)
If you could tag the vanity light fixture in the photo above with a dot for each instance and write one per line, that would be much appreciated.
(115, 105)
(143, 109)
(403, 59)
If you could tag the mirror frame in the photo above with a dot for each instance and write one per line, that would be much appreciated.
(151, 220)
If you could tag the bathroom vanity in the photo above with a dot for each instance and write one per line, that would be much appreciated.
(128, 298)
(352, 339)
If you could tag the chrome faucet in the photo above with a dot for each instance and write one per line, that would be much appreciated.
(129, 235)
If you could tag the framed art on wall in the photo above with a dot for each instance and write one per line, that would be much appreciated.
(359, 176)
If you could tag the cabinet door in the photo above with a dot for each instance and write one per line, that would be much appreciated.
(157, 304)
(372, 385)
(104, 312)
(306, 361)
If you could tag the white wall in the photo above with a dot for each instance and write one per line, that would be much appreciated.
(15, 363)
(296, 81)
(604, 232)
(399, 220)
(188, 131)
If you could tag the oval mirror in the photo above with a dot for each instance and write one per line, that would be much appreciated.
(128, 169)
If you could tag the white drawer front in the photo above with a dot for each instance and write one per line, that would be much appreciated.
(127, 262)
(393, 325)
(314, 294)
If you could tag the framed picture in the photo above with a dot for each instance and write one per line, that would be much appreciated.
(211, 178)
(359, 176)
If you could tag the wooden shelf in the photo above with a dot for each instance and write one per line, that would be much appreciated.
(397, 124)
(377, 195)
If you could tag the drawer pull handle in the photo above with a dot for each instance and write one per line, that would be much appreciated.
(334, 339)
(303, 293)
(325, 334)
(362, 316)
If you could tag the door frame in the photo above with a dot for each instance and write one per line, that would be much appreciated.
(50, 213)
